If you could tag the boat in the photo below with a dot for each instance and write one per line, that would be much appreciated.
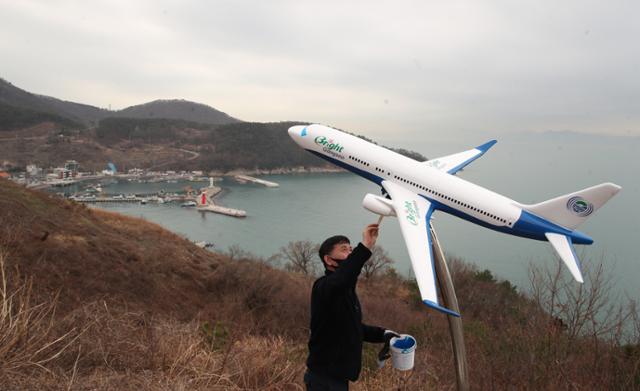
(188, 204)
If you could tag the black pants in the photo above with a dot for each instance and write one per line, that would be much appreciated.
(315, 382)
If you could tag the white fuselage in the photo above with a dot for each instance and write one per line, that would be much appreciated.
(446, 192)
(379, 164)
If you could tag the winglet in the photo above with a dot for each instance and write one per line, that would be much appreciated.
(436, 306)
(485, 147)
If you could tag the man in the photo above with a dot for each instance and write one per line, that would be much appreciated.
(337, 331)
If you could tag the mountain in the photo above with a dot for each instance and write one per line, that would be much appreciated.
(185, 135)
(13, 96)
(12, 117)
(177, 109)
(90, 115)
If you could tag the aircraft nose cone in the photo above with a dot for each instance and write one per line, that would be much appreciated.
(295, 131)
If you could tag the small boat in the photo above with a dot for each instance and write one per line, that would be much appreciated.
(188, 204)
(144, 201)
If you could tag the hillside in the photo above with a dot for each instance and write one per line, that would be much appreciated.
(163, 134)
(163, 144)
(103, 301)
(87, 116)
(77, 112)
(177, 109)
(12, 117)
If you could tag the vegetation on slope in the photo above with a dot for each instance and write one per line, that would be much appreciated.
(18, 118)
(137, 307)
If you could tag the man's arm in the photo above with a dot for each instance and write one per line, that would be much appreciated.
(373, 334)
(347, 274)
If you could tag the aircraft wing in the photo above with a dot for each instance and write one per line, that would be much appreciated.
(456, 162)
(414, 213)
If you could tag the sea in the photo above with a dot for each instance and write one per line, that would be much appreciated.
(529, 168)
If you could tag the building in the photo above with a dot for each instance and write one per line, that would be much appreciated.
(73, 167)
(34, 171)
(61, 173)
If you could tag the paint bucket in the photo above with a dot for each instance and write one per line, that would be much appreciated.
(403, 350)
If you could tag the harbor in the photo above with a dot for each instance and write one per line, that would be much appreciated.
(187, 197)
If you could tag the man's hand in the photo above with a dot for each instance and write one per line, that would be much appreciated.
(384, 354)
(370, 235)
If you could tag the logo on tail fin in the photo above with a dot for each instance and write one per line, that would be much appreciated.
(579, 206)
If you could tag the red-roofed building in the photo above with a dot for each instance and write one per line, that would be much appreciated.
(4, 174)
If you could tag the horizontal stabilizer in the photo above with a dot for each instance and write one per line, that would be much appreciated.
(563, 246)
(573, 209)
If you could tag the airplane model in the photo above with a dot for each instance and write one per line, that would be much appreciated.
(414, 190)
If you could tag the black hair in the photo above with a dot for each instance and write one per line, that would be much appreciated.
(327, 245)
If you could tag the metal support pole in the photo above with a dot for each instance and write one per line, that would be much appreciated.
(455, 323)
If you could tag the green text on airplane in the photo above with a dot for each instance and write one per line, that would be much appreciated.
(328, 144)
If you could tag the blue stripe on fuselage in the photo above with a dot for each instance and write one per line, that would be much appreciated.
(527, 226)
(534, 226)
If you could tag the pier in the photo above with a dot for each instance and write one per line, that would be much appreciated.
(209, 206)
(246, 178)
(222, 210)
(105, 199)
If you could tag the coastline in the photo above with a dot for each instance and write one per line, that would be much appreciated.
(280, 171)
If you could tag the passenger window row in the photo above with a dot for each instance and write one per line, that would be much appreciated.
(452, 199)
(359, 160)
(473, 208)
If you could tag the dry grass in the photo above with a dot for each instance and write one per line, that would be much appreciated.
(29, 339)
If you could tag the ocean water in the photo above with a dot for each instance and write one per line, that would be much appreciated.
(527, 168)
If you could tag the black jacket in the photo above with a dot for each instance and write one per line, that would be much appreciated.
(337, 331)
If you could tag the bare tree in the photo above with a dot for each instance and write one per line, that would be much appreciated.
(235, 252)
(301, 257)
(588, 309)
(378, 263)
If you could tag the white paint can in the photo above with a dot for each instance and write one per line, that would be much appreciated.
(403, 351)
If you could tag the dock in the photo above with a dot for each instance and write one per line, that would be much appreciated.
(222, 210)
(105, 199)
(211, 192)
(247, 178)
(136, 199)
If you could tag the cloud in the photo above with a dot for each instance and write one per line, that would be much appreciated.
(409, 66)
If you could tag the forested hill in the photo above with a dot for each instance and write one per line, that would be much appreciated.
(177, 109)
(87, 116)
(79, 113)
(242, 145)
(163, 134)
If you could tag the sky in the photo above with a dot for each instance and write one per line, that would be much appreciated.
(413, 68)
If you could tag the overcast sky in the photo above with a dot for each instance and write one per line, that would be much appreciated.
(373, 67)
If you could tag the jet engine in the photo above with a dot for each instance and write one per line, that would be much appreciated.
(378, 205)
